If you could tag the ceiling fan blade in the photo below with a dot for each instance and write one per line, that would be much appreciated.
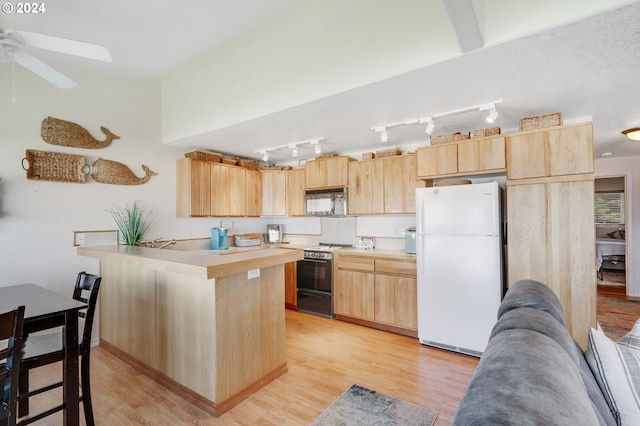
(41, 69)
(64, 45)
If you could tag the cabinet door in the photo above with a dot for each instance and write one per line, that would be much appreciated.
(527, 230)
(254, 193)
(526, 155)
(274, 193)
(336, 172)
(296, 192)
(406, 309)
(314, 172)
(354, 296)
(219, 190)
(237, 191)
(290, 286)
(487, 154)
(570, 150)
(193, 188)
(366, 179)
(438, 160)
(400, 183)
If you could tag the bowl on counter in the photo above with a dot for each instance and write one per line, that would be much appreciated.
(247, 240)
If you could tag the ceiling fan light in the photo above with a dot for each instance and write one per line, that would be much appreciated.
(633, 133)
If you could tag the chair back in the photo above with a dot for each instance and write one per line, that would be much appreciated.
(11, 324)
(86, 290)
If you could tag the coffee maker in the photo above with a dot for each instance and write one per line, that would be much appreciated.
(218, 239)
(274, 233)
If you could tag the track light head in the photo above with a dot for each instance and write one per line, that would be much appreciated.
(430, 126)
(384, 136)
(317, 149)
(493, 114)
(265, 156)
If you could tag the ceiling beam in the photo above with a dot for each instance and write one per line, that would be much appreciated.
(465, 23)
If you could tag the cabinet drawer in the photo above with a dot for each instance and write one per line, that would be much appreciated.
(396, 267)
(356, 262)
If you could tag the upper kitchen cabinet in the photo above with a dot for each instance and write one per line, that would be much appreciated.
(550, 152)
(254, 193)
(274, 192)
(328, 172)
(295, 191)
(193, 188)
(365, 187)
(400, 183)
(473, 156)
(213, 189)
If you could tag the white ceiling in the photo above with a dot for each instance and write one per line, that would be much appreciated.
(588, 70)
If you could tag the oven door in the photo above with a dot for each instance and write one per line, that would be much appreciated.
(315, 275)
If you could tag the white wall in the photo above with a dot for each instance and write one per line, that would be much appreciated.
(630, 168)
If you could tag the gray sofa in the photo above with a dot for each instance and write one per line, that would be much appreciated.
(532, 372)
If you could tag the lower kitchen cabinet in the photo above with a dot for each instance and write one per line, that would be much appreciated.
(290, 287)
(379, 292)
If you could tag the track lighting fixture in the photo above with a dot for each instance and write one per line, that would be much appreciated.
(493, 114)
(292, 146)
(429, 120)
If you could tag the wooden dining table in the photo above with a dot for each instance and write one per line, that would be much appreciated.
(45, 309)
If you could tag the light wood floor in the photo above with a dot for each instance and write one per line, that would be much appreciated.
(324, 357)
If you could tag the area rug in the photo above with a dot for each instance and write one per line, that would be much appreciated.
(362, 406)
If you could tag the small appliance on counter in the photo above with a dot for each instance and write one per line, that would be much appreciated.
(274, 233)
(218, 238)
(410, 240)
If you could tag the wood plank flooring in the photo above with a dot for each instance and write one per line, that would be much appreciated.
(324, 357)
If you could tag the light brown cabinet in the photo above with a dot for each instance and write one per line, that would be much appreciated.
(214, 189)
(376, 291)
(383, 186)
(550, 212)
(295, 192)
(329, 172)
(400, 183)
(193, 188)
(365, 187)
(290, 286)
(274, 192)
(556, 151)
(474, 156)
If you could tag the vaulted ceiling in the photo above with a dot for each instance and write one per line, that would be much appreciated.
(586, 68)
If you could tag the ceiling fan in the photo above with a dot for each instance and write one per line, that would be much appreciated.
(11, 49)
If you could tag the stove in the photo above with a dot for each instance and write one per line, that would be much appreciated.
(315, 280)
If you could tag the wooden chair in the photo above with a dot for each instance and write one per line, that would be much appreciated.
(11, 324)
(44, 349)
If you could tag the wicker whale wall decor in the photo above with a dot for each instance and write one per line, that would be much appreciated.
(55, 166)
(61, 132)
(115, 173)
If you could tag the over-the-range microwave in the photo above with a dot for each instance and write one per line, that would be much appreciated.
(325, 202)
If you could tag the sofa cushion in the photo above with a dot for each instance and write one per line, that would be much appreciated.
(631, 340)
(525, 377)
(541, 321)
(617, 370)
(532, 294)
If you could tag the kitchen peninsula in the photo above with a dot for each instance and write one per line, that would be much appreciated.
(207, 324)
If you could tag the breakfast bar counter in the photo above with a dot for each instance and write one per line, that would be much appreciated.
(207, 324)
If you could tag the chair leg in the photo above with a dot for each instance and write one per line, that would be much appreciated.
(86, 390)
(23, 389)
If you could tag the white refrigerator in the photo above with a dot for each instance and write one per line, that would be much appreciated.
(460, 274)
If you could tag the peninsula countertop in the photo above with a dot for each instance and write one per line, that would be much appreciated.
(206, 264)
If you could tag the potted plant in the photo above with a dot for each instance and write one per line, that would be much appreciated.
(132, 223)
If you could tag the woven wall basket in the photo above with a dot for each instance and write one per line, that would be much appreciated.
(112, 172)
(54, 166)
(66, 133)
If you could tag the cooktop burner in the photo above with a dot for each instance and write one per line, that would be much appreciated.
(327, 247)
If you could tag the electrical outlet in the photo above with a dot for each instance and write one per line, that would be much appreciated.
(403, 232)
(253, 273)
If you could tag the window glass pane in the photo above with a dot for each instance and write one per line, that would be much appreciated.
(609, 207)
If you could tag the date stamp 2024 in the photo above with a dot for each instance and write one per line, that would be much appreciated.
(24, 8)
